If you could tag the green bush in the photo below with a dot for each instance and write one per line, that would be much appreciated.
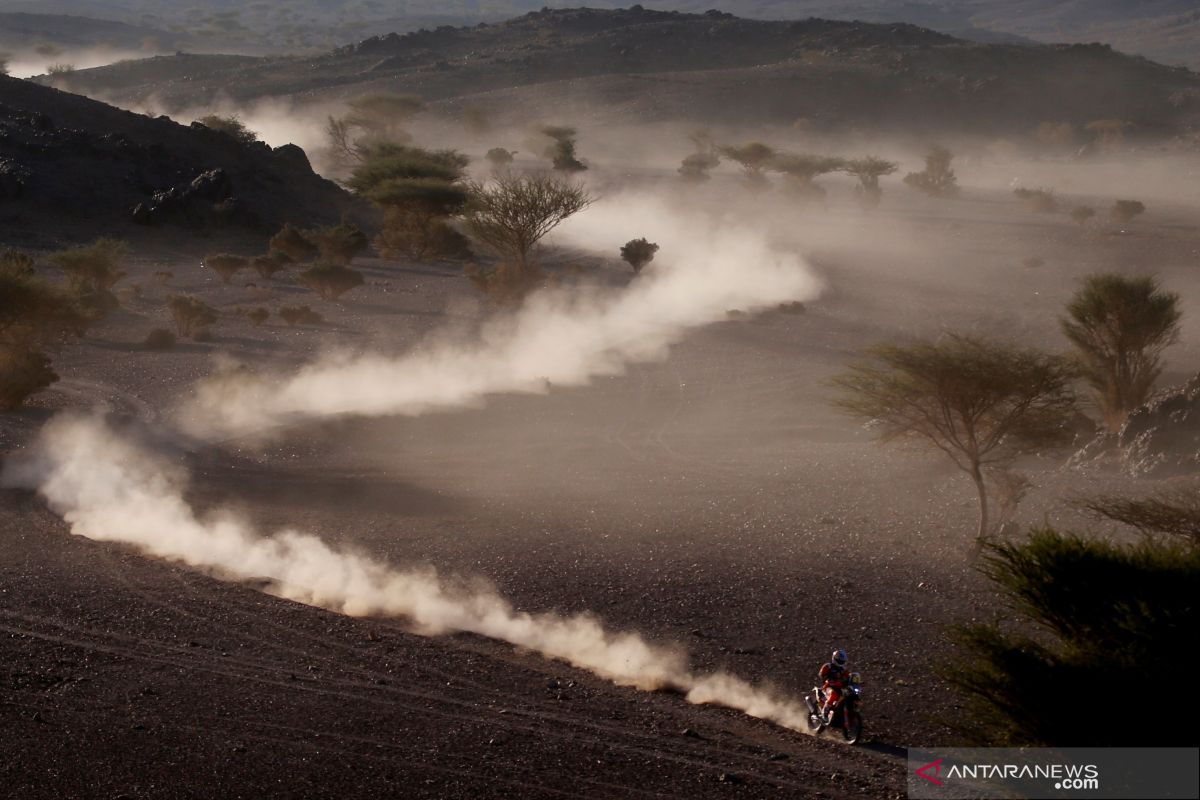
(1097, 627)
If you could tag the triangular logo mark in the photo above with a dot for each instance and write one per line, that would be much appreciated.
(935, 766)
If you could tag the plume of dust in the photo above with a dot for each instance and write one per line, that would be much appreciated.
(559, 337)
(109, 488)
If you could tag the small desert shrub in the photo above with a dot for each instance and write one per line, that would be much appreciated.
(93, 269)
(225, 265)
(937, 179)
(230, 126)
(330, 281)
(190, 314)
(257, 316)
(420, 237)
(794, 307)
(696, 166)
(16, 263)
(160, 339)
(268, 265)
(293, 244)
(128, 294)
(1033, 262)
(60, 69)
(416, 218)
(1125, 210)
(24, 371)
(300, 315)
(33, 314)
(1040, 200)
(561, 149)
(1081, 214)
(338, 244)
(638, 253)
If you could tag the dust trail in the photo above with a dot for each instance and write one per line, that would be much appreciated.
(706, 267)
(109, 488)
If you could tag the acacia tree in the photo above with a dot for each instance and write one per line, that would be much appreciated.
(978, 401)
(1120, 327)
(418, 190)
(754, 158)
(511, 215)
(868, 170)
(802, 168)
(696, 166)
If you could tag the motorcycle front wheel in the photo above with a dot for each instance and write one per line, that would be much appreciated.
(852, 730)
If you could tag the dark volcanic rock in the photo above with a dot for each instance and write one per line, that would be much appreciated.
(13, 178)
(201, 199)
(1160, 439)
(88, 165)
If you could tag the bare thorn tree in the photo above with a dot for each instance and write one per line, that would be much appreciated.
(511, 214)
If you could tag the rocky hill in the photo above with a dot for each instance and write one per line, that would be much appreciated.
(654, 65)
(88, 166)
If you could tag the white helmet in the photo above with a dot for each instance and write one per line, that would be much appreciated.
(839, 658)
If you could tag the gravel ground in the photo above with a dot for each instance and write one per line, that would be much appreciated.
(713, 499)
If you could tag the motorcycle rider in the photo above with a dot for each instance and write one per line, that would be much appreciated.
(834, 678)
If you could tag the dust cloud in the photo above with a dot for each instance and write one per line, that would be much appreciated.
(110, 488)
(562, 336)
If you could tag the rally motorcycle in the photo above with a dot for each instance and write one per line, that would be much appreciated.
(846, 717)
